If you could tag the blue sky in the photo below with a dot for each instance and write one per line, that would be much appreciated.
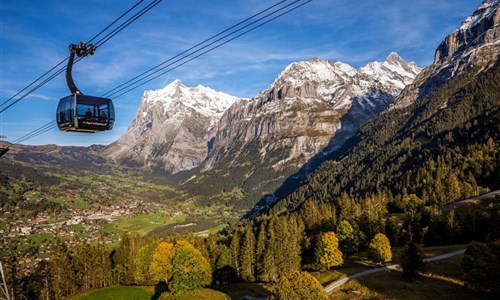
(34, 36)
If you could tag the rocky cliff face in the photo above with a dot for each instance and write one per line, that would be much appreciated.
(476, 44)
(305, 107)
(172, 128)
(308, 111)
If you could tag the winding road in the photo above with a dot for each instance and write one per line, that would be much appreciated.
(330, 287)
(470, 200)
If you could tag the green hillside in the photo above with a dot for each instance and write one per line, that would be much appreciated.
(442, 148)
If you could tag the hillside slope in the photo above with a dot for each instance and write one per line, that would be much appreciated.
(441, 148)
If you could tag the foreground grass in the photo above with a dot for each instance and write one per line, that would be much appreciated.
(118, 293)
(237, 291)
(203, 294)
(145, 293)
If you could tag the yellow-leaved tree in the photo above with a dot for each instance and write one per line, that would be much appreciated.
(161, 267)
(379, 249)
(190, 269)
(327, 252)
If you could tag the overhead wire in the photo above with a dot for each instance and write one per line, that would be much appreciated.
(129, 85)
(97, 44)
(109, 93)
(155, 74)
(63, 61)
(35, 132)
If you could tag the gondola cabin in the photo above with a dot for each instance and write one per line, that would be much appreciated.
(82, 113)
(79, 112)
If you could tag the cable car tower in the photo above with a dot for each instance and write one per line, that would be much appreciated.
(82, 113)
(4, 291)
(3, 150)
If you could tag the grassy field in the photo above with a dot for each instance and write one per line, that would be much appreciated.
(146, 293)
(141, 224)
(118, 293)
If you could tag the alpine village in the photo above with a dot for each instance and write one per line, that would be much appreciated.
(334, 182)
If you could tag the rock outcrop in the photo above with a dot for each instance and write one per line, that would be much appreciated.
(476, 44)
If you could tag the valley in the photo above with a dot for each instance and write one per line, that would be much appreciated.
(83, 205)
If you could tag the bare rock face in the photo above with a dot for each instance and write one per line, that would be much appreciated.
(307, 105)
(476, 44)
(172, 128)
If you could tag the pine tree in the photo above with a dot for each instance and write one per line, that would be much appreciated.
(269, 271)
(235, 251)
(247, 255)
(412, 260)
(260, 248)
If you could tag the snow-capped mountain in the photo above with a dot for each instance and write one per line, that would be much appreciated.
(475, 44)
(172, 128)
(310, 109)
(302, 110)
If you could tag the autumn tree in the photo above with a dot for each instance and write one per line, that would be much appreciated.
(190, 269)
(327, 252)
(298, 285)
(393, 230)
(379, 249)
(347, 239)
(161, 267)
(411, 204)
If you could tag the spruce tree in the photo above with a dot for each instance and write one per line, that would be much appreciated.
(247, 255)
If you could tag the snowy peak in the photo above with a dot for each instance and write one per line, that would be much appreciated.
(476, 32)
(314, 70)
(318, 71)
(203, 100)
(172, 128)
(484, 11)
(393, 71)
(474, 45)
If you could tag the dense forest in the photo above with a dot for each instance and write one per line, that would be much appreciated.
(442, 148)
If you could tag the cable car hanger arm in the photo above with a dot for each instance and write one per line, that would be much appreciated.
(80, 50)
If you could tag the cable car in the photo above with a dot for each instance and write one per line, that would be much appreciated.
(83, 113)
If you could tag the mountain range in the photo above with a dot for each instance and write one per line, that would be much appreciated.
(220, 143)
(222, 148)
